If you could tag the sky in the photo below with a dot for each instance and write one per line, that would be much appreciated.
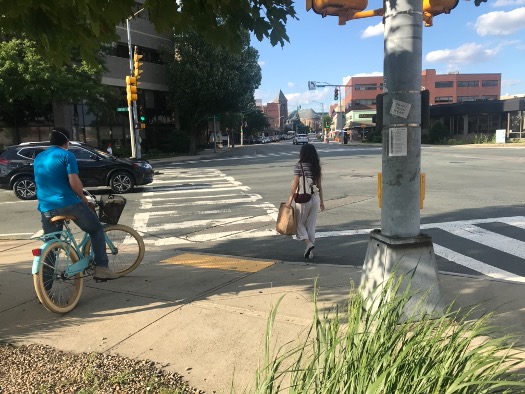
(485, 39)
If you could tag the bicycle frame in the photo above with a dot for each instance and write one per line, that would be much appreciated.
(66, 238)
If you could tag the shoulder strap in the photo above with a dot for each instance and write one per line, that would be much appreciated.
(304, 179)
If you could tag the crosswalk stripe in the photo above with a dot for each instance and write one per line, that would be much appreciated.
(477, 265)
(488, 238)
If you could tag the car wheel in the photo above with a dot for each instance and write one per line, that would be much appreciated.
(25, 188)
(121, 182)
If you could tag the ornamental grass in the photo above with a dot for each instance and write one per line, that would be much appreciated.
(370, 352)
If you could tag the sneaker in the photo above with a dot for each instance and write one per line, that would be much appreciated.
(104, 273)
(308, 250)
(311, 256)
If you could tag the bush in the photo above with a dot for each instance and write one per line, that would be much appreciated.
(371, 352)
(438, 133)
(484, 138)
(122, 152)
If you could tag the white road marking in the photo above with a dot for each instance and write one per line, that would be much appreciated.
(477, 265)
(160, 203)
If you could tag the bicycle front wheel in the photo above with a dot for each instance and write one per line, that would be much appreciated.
(124, 246)
(58, 293)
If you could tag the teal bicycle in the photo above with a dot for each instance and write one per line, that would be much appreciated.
(61, 263)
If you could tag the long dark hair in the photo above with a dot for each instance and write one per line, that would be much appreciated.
(309, 155)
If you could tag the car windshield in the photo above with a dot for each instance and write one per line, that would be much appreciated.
(101, 152)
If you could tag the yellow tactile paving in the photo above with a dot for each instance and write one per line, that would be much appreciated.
(218, 262)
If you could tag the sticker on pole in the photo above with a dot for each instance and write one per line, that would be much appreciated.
(400, 108)
(397, 141)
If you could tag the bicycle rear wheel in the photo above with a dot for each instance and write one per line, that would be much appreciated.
(56, 292)
(124, 246)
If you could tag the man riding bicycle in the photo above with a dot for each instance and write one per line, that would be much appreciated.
(59, 191)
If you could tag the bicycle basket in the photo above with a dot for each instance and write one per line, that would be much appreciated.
(111, 208)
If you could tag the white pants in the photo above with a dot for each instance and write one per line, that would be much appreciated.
(306, 214)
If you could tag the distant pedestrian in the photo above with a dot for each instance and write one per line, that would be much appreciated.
(109, 149)
(307, 179)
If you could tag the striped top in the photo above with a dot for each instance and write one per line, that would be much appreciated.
(308, 175)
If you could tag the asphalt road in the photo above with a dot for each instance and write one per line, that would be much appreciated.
(227, 205)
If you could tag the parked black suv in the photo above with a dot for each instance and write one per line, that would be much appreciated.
(96, 168)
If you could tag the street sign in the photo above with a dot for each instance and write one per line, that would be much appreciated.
(217, 117)
(312, 85)
(122, 109)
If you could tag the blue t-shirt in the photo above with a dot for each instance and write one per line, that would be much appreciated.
(52, 168)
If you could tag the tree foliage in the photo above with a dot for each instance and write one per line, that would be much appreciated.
(255, 121)
(205, 79)
(59, 26)
(30, 79)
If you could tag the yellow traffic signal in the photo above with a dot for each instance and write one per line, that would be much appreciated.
(345, 9)
(137, 64)
(432, 8)
(131, 89)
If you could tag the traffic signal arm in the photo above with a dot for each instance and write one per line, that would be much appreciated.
(369, 13)
(355, 9)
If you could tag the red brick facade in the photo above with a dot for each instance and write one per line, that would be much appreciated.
(361, 92)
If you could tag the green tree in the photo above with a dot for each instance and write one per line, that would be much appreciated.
(31, 81)
(255, 121)
(205, 79)
(59, 26)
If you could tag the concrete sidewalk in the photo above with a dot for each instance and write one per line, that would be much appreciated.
(203, 316)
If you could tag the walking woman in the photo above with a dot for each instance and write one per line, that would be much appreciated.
(307, 179)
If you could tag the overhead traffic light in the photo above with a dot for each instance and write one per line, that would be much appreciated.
(336, 94)
(432, 8)
(137, 64)
(131, 89)
(345, 9)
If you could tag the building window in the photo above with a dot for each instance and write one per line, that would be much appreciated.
(365, 102)
(489, 82)
(149, 55)
(444, 84)
(468, 84)
(489, 97)
(443, 99)
(462, 99)
(370, 86)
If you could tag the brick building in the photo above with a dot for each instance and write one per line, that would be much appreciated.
(361, 92)
(277, 111)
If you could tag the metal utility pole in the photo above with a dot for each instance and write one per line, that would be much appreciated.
(399, 245)
(130, 103)
(132, 106)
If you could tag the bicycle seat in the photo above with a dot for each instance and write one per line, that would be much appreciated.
(61, 217)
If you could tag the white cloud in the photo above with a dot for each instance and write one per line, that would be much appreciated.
(500, 23)
(261, 63)
(291, 84)
(507, 3)
(465, 54)
(510, 82)
(372, 31)
(306, 99)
